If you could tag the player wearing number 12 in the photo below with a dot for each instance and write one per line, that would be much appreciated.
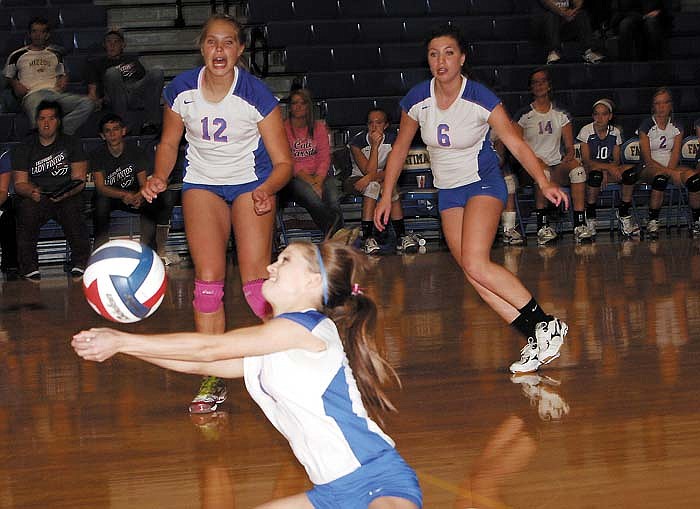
(237, 159)
(455, 115)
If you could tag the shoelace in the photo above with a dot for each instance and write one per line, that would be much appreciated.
(525, 352)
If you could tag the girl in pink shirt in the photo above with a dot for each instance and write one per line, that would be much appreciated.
(311, 187)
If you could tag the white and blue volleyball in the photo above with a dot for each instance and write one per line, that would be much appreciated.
(124, 281)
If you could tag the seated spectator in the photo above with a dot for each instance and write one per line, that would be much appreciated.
(311, 186)
(36, 73)
(120, 171)
(660, 143)
(599, 14)
(8, 241)
(545, 127)
(369, 150)
(639, 25)
(121, 82)
(600, 152)
(49, 170)
(564, 18)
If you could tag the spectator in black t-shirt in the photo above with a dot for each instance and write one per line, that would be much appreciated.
(122, 82)
(8, 239)
(49, 170)
(120, 170)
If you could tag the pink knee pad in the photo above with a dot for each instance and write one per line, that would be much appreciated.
(252, 290)
(208, 295)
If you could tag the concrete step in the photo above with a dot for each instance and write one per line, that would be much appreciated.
(150, 16)
(164, 39)
(174, 63)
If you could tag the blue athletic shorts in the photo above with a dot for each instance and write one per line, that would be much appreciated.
(491, 185)
(386, 476)
(227, 193)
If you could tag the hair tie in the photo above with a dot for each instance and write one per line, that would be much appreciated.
(324, 276)
(356, 290)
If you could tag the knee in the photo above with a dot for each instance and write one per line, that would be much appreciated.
(659, 183)
(372, 190)
(252, 290)
(630, 176)
(474, 268)
(693, 183)
(577, 175)
(208, 296)
(595, 178)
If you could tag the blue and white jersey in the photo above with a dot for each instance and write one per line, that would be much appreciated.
(661, 141)
(313, 400)
(542, 131)
(457, 138)
(224, 146)
(600, 149)
(361, 141)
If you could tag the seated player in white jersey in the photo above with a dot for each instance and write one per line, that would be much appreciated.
(600, 154)
(369, 149)
(660, 141)
(314, 369)
(237, 160)
(545, 127)
(455, 115)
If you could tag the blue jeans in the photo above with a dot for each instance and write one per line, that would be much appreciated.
(145, 93)
(324, 210)
(76, 108)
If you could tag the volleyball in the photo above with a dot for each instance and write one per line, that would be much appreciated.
(124, 281)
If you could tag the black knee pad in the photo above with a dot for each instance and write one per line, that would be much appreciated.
(595, 178)
(693, 183)
(629, 177)
(659, 183)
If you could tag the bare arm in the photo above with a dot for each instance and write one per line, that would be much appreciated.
(166, 154)
(61, 82)
(24, 188)
(19, 89)
(394, 164)
(676, 152)
(4, 186)
(273, 336)
(508, 133)
(275, 139)
(567, 135)
(645, 149)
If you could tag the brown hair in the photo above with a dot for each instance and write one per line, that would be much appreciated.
(355, 315)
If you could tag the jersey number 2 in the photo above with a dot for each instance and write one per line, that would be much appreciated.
(220, 124)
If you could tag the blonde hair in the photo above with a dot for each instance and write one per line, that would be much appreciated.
(355, 315)
(310, 119)
(222, 17)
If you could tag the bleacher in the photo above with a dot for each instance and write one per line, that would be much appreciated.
(357, 54)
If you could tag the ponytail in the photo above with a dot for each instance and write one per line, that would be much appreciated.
(355, 315)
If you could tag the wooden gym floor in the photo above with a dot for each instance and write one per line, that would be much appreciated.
(614, 422)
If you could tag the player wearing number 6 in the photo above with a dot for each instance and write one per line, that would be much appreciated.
(455, 115)
(237, 159)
